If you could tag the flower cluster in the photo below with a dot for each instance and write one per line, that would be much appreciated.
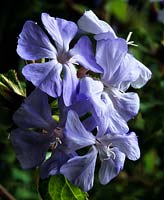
(90, 88)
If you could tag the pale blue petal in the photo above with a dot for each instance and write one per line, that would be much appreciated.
(109, 55)
(76, 136)
(93, 89)
(62, 31)
(103, 110)
(83, 54)
(33, 43)
(104, 36)
(46, 76)
(107, 117)
(126, 104)
(126, 143)
(131, 72)
(115, 122)
(80, 170)
(90, 87)
(90, 23)
(126, 73)
(111, 168)
(30, 147)
(35, 112)
(144, 76)
(70, 83)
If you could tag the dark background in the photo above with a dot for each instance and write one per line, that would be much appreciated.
(140, 180)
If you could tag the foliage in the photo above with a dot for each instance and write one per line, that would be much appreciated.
(58, 187)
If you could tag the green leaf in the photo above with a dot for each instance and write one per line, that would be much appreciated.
(61, 189)
(43, 189)
(151, 160)
(10, 84)
(5, 91)
(121, 13)
(12, 92)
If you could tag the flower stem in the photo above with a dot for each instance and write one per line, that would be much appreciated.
(5, 193)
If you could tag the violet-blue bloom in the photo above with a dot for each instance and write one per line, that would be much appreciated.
(37, 130)
(121, 69)
(112, 55)
(111, 109)
(111, 148)
(34, 44)
(52, 165)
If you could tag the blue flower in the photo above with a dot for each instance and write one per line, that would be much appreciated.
(121, 69)
(110, 109)
(52, 166)
(111, 149)
(57, 76)
(113, 105)
(37, 130)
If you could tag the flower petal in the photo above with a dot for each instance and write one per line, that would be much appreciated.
(103, 110)
(53, 164)
(76, 136)
(30, 147)
(62, 31)
(127, 143)
(90, 23)
(90, 87)
(78, 105)
(111, 168)
(33, 43)
(108, 118)
(80, 170)
(126, 104)
(82, 52)
(125, 74)
(35, 112)
(93, 89)
(70, 83)
(46, 76)
(104, 36)
(130, 72)
(109, 55)
(89, 123)
(63, 110)
(144, 75)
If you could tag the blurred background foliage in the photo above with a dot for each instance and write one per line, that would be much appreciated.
(139, 180)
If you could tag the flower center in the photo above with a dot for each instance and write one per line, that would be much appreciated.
(58, 134)
(105, 151)
(109, 152)
(63, 57)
